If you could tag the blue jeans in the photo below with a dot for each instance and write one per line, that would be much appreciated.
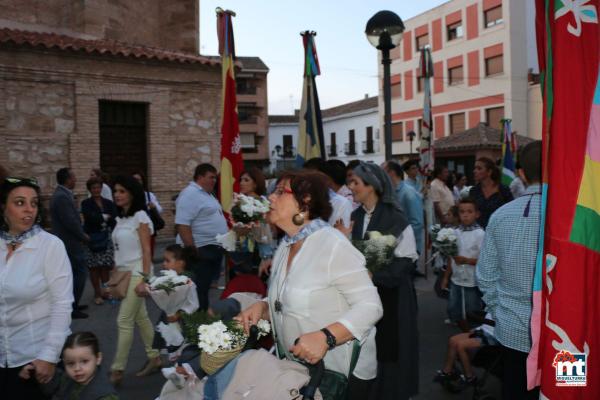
(80, 273)
(210, 259)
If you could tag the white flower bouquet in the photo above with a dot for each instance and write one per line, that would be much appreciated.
(378, 250)
(247, 210)
(171, 293)
(220, 342)
(444, 240)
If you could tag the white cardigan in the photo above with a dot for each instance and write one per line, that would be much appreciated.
(327, 283)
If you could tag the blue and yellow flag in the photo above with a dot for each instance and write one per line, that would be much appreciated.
(509, 152)
(310, 128)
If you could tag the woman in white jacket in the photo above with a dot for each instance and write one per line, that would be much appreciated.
(320, 292)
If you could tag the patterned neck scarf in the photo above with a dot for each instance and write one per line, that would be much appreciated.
(305, 232)
(14, 240)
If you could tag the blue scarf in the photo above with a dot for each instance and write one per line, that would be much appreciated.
(306, 231)
(21, 237)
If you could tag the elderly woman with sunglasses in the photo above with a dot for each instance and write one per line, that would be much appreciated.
(36, 292)
(320, 295)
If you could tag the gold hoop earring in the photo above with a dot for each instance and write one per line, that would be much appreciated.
(298, 219)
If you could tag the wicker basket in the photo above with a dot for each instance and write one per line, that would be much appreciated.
(211, 363)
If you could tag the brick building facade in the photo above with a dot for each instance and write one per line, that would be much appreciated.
(104, 84)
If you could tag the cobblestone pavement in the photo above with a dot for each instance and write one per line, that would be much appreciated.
(432, 329)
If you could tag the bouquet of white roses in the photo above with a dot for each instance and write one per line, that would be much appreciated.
(171, 293)
(378, 250)
(221, 341)
(247, 209)
(444, 240)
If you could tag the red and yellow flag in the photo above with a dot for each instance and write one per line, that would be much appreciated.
(232, 163)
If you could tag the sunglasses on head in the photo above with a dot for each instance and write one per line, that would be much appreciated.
(17, 180)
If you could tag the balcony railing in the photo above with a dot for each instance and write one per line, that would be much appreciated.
(248, 119)
(332, 150)
(350, 149)
(246, 90)
(370, 146)
(288, 152)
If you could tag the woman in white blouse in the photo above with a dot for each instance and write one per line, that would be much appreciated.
(320, 291)
(35, 291)
(131, 238)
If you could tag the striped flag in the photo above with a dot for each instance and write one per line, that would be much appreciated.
(509, 152)
(232, 163)
(426, 145)
(565, 357)
(310, 127)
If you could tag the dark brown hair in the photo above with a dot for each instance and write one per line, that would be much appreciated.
(10, 184)
(187, 254)
(258, 178)
(311, 191)
(93, 181)
(82, 339)
(490, 165)
(468, 200)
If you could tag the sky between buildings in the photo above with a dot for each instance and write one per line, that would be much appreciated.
(270, 29)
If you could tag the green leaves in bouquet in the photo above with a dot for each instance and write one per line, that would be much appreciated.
(191, 322)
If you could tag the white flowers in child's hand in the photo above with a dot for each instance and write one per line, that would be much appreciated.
(168, 280)
(264, 328)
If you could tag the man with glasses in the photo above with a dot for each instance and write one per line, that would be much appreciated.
(66, 224)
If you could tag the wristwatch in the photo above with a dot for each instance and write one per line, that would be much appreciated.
(331, 340)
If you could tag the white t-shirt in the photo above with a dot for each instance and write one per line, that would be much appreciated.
(126, 239)
(469, 245)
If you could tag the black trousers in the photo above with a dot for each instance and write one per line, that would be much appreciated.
(210, 259)
(514, 379)
(13, 387)
(359, 389)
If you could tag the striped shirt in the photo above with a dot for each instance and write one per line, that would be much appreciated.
(506, 265)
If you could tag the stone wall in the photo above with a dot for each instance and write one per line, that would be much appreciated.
(49, 116)
(172, 24)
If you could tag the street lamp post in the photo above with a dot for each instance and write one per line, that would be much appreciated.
(384, 32)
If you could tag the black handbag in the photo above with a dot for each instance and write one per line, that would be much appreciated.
(155, 217)
(98, 241)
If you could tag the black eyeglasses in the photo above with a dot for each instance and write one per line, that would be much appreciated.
(16, 180)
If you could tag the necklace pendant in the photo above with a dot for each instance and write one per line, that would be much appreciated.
(278, 306)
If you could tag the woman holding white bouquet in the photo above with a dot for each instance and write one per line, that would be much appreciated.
(397, 344)
(320, 296)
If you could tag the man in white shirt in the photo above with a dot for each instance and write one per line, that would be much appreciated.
(199, 218)
(440, 193)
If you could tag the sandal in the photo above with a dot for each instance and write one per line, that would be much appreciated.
(98, 301)
(151, 366)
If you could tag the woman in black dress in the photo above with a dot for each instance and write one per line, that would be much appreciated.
(396, 337)
(98, 220)
(488, 193)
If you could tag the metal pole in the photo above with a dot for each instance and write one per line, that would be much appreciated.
(387, 101)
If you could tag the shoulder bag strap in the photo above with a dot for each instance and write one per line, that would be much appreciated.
(354, 358)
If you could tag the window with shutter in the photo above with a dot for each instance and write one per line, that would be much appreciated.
(421, 41)
(396, 90)
(493, 16)
(398, 131)
(455, 30)
(455, 75)
(494, 65)
(493, 116)
(457, 123)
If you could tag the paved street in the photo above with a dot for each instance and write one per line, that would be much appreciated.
(433, 337)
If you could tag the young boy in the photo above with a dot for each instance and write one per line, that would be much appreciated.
(464, 296)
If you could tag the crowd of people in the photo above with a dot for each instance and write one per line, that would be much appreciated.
(322, 301)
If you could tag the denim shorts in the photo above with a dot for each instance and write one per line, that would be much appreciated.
(463, 300)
